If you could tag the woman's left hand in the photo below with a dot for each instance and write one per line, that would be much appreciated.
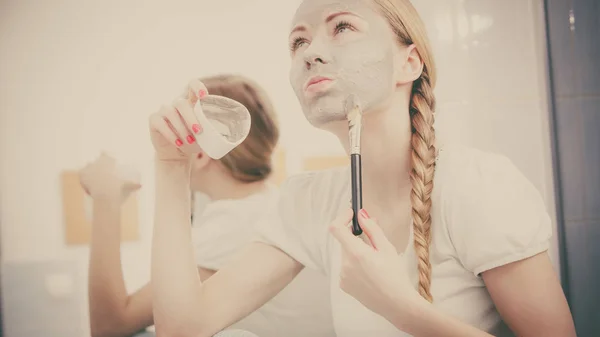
(372, 271)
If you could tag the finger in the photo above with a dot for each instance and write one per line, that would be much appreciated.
(159, 124)
(366, 239)
(188, 116)
(339, 229)
(105, 156)
(178, 126)
(106, 159)
(362, 236)
(86, 190)
(375, 234)
(196, 90)
(82, 179)
(132, 186)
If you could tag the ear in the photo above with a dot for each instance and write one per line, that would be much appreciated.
(410, 65)
(201, 160)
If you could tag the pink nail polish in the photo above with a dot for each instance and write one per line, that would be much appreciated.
(178, 142)
(201, 94)
(190, 139)
(196, 128)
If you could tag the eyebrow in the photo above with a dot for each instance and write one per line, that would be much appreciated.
(336, 14)
(302, 28)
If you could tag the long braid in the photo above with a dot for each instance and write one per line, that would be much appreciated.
(410, 30)
(423, 154)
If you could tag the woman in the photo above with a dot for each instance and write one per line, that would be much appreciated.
(459, 247)
(238, 188)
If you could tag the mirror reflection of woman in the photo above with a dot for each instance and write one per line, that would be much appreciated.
(459, 245)
(238, 188)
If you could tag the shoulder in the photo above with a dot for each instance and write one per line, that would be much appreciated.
(468, 173)
(472, 178)
(489, 208)
(467, 163)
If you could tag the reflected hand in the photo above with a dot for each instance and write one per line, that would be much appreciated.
(101, 179)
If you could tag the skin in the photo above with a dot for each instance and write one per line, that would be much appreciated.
(527, 293)
(114, 312)
(357, 60)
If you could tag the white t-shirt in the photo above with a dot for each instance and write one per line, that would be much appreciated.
(301, 309)
(485, 214)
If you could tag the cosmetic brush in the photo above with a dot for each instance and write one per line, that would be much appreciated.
(354, 116)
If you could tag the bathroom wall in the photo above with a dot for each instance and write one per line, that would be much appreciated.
(80, 77)
(574, 54)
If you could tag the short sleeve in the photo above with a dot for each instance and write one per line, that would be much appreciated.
(495, 216)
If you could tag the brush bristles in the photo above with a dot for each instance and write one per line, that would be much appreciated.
(352, 108)
(354, 116)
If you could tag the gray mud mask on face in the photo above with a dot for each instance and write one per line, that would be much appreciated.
(361, 63)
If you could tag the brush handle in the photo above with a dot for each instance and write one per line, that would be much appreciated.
(355, 166)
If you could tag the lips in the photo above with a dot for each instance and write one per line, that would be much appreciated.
(313, 81)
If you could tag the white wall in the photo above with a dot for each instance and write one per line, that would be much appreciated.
(492, 87)
(78, 77)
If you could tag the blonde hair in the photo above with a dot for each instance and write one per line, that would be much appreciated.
(409, 29)
(251, 160)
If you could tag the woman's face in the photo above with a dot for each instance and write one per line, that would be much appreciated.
(338, 48)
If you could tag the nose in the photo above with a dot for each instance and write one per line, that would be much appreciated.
(312, 60)
(315, 54)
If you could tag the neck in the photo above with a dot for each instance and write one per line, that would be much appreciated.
(221, 185)
(385, 155)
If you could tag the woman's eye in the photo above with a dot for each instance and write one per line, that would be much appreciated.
(297, 43)
(342, 26)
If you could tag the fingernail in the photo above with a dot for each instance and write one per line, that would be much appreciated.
(178, 142)
(190, 139)
(201, 94)
(196, 128)
(364, 213)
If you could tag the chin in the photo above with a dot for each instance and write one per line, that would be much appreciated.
(324, 110)
(325, 120)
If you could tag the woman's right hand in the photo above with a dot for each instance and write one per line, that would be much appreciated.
(173, 127)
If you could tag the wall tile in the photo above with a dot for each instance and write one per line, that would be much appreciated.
(570, 151)
(561, 48)
(590, 109)
(582, 241)
(509, 128)
(587, 46)
(485, 49)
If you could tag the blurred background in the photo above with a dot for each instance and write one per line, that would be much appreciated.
(518, 77)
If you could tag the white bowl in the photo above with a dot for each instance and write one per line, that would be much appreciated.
(225, 123)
